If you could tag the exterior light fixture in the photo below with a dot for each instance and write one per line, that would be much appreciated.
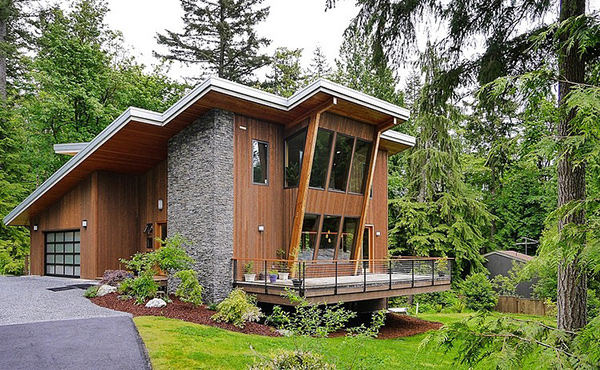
(243, 128)
(378, 233)
(35, 227)
(261, 228)
(160, 204)
(84, 224)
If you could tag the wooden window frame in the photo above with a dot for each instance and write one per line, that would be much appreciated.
(252, 164)
(345, 191)
(367, 167)
(285, 154)
(329, 162)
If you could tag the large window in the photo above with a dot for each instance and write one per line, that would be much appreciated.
(260, 162)
(348, 238)
(318, 175)
(360, 166)
(341, 162)
(310, 233)
(63, 253)
(329, 235)
(294, 151)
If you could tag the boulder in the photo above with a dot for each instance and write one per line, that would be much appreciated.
(106, 289)
(156, 303)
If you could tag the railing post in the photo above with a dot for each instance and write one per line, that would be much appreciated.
(432, 272)
(365, 279)
(390, 271)
(450, 270)
(303, 279)
(412, 281)
(335, 288)
(266, 276)
(234, 271)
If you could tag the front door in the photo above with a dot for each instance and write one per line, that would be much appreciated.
(62, 253)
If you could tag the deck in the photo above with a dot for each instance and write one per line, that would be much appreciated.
(348, 281)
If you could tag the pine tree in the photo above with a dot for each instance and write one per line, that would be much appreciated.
(286, 75)
(319, 68)
(219, 35)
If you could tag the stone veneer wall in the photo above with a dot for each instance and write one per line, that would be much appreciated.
(200, 198)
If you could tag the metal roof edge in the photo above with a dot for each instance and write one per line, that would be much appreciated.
(398, 137)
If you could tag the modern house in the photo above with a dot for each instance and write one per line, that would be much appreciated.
(501, 262)
(295, 184)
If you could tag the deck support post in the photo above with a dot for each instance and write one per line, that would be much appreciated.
(336, 278)
(390, 272)
(412, 281)
(432, 272)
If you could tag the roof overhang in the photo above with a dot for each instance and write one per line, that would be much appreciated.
(69, 149)
(137, 140)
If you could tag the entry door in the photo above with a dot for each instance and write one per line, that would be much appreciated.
(63, 250)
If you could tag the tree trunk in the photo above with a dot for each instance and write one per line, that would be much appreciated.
(572, 283)
(2, 60)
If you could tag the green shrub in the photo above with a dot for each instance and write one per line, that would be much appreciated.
(459, 306)
(91, 292)
(141, 288)
(139, 262)
(16, 267)
(294, 360)
(237, 309)
(189, 290)
(478, 292)
(170, 257)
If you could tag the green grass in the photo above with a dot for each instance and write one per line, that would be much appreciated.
(175, 344)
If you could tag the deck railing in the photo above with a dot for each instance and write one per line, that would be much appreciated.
(332, 277)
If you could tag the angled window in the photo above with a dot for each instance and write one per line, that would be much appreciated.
(329, 235)
(360, 166)
(308, 241)
(348, 238)
(342, 157)
(318, 174)
(294, 152)
(260, 162)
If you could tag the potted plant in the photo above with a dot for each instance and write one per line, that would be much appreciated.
(249, 274)
(282, 265)
(273, 276)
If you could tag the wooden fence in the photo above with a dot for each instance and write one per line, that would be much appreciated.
(521, 305)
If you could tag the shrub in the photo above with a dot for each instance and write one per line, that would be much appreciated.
(114, 277)
(459, 306)
(189, 289)
(91, 292)
(172, 255)
(478, 292)
(294, 360)
(139, 262)
(141, 288)
(237, 309)
(14, 267)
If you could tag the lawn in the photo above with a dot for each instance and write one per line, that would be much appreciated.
(175, 344)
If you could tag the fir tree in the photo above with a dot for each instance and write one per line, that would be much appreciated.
(286, 75)
(319, 68)
(219, 35)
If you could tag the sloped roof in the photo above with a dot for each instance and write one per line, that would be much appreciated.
(512, 254)
(137, 140)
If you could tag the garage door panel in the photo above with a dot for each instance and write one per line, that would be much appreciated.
(62, 253)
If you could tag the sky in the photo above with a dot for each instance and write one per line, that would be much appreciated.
(291, 23)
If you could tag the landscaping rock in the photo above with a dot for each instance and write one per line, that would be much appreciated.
(156, 303)
(105, 289)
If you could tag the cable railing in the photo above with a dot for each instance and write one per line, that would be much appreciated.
(333, 277)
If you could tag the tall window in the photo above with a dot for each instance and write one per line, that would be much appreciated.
(318, 175)
(341, 162)
(348, 238)
(294, 151)
(360, 165)
(260, 162)
(329, 235)
(310, 232)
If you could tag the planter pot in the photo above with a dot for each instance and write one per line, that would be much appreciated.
(297, 283)
(249, 277)
(272, 278)
(284, 275)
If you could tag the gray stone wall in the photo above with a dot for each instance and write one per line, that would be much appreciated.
(200, 198)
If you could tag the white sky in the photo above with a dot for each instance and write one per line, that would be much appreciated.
(291, 23)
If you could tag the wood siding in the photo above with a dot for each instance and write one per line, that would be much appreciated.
(257, 204)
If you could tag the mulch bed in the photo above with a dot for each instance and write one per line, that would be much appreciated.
(182, 311)
(396, 326)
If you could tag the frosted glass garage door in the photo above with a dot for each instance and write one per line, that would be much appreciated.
(63, 253)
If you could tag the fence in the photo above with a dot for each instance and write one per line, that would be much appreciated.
(521, 305)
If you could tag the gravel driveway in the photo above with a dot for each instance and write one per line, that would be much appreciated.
(25, 299)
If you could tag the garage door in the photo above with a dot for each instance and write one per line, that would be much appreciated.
(62, 253)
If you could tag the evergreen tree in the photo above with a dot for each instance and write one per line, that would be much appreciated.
(286, 75)
(319, 68)
(220, 36)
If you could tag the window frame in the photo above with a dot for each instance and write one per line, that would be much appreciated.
(285, 156)
(335, 248)
(258, 141)
(329, 161)
(364, 185)
(330, 171)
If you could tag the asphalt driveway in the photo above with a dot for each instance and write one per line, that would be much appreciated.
(60, 329)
